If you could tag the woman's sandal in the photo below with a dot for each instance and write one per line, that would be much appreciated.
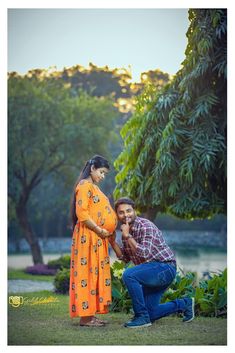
(93, 323)
(101, 321)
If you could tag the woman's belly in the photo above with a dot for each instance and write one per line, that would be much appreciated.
(107, 219)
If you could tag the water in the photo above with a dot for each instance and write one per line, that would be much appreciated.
(199, 260)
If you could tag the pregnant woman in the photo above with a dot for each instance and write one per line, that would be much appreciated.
(94, 221)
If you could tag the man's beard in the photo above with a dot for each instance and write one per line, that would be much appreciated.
(129, 220)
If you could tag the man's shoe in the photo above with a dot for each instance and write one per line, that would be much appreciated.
(189, 310)
(138, 322)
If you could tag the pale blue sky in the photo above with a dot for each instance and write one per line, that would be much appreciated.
(146, 39)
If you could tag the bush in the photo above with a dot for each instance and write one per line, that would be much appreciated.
(60, 263)
(61, 281)
(121, 300)
(210, 294)
(40, 269)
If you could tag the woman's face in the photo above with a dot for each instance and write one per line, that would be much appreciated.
(97, 175)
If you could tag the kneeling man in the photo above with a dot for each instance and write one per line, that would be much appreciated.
(154, 270)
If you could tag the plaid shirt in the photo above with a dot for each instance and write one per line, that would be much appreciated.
(151, 245)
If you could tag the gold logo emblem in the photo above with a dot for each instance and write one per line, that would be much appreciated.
(16, 301)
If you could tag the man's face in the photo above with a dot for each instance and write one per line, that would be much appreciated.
(126, 213)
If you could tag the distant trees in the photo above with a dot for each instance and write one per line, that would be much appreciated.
(174, 157)
(50, 130)
(56, 120)
(98, 81)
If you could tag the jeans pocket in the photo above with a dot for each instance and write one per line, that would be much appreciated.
(165, 277)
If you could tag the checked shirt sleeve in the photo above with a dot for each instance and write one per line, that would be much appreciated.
(125, 256)
(146, 248)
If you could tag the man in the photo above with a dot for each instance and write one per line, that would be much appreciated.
(155, 268)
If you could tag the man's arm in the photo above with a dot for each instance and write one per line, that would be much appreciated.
(144, 248)
(118, 251)
(126, 235)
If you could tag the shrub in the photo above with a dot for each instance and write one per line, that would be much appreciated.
(40, 269)
(61, 262)
(210, 294)
(121, 300)
(61, 281)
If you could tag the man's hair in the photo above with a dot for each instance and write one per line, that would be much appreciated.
(122, 201)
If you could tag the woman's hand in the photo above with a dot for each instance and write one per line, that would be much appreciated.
(105, 233)
(102, 233)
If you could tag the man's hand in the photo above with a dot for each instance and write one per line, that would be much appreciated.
(125, 228)
(112, 238)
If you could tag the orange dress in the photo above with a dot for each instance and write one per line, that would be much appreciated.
(90, 278)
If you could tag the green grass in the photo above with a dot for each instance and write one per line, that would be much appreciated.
(20, 274)
(50, 324)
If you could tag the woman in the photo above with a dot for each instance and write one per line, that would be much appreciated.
(94, 221)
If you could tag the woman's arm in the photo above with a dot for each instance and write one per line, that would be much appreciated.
(103, 233)
(82, 209)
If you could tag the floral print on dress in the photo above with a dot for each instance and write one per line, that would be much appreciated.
(83, 239)
(83, 283)
(85, 305)
(83, 261)
(108, 282)
(102, 222)
(96, 199)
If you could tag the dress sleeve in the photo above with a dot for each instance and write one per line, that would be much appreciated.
(83, 194)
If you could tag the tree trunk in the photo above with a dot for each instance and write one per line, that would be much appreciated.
(150, 214)
(45, 228)
(60, 227)
(29, 235)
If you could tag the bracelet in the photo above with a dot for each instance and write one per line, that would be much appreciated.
(100, 228)
(129, 236)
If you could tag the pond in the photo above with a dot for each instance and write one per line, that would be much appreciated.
(200, 260)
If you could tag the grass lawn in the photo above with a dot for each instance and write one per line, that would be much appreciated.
(20, 274)
(50, 324)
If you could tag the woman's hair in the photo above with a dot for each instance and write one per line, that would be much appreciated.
(96, 161)
(122, 201)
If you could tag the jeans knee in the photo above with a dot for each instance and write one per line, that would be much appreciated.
(126, 275)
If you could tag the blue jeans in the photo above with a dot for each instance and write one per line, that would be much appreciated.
(146, 284)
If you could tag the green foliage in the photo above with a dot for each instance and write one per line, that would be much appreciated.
(60, 263)
(98, 81)
(61, 281)
(120, 298)
(174, 157)
(210, 295)
(51, 133)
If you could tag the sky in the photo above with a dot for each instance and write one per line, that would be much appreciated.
(142, 39)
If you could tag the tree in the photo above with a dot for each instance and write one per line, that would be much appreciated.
(174, 159)
(98, 81)
(50, 131)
